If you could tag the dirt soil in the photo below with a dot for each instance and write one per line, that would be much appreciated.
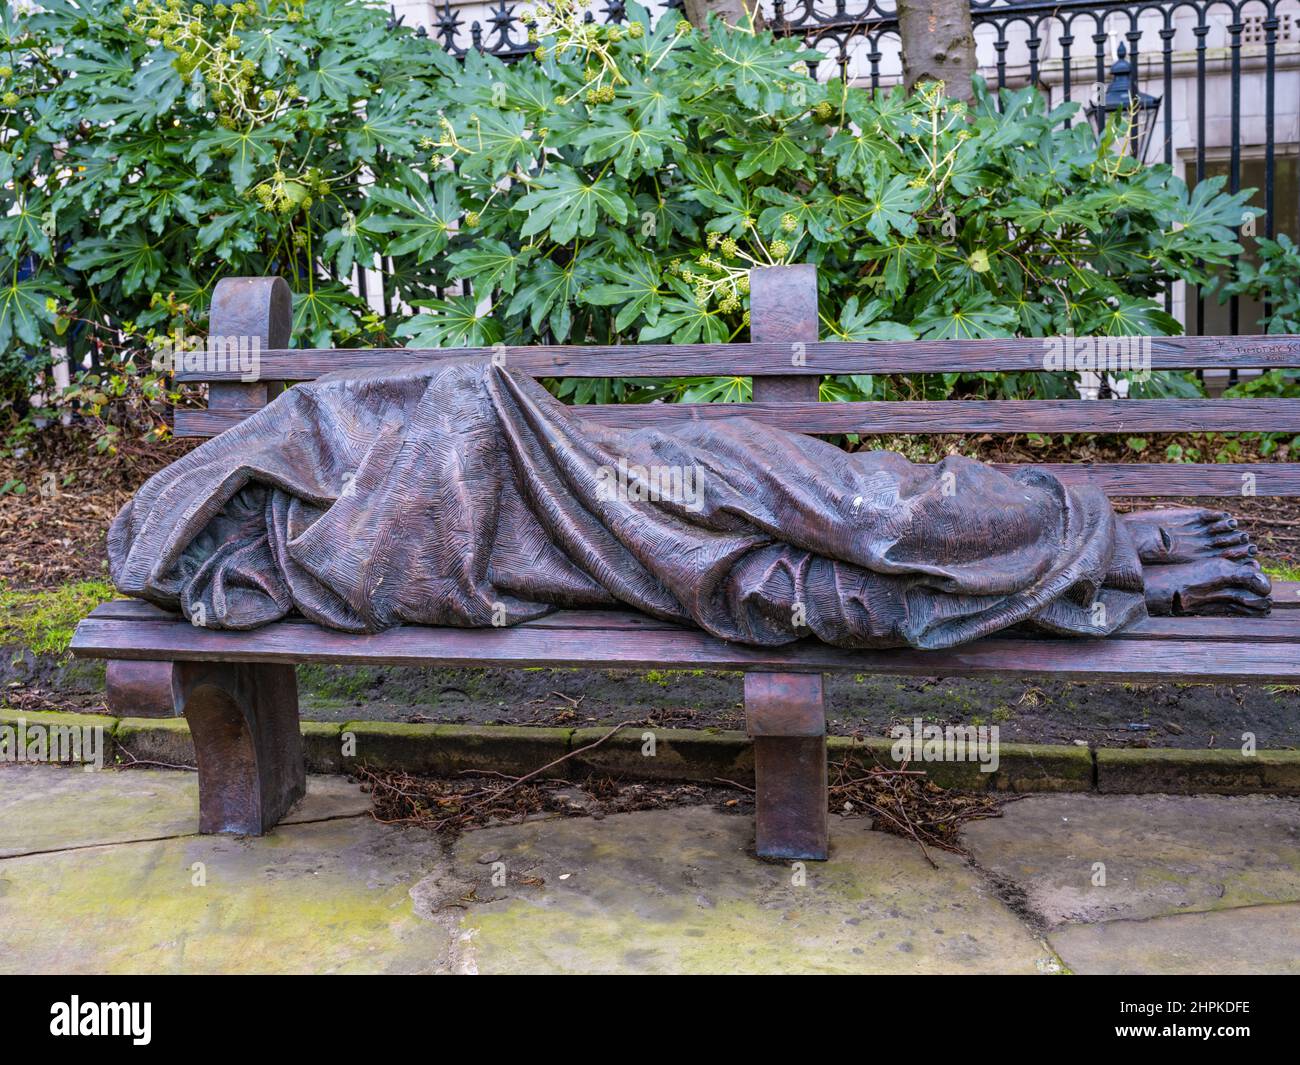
(57, 535)
(56, 530)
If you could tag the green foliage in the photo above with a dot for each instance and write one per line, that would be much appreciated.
(620, 186)
(151, 148)
(616, 187)
(1275, 282)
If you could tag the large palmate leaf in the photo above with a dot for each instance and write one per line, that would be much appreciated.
(499, 142)
(863, 320)
(131, 259)
(420, 217)
(490, 265)
(633, 284)
(628, 142)
(978, 317)
(451, 323)
(1127, 316)
(334, 74)
(563, 204)
(548, 294)
(683, 320)
(323, 311)
(248, 149)
(891, 205)
(26, 305)
(756, 69)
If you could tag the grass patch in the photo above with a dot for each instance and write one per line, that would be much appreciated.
(43, 619)
(1281, 572)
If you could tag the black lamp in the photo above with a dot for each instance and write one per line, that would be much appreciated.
(1122, 95)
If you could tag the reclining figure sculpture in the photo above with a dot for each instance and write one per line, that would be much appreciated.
(461, 493)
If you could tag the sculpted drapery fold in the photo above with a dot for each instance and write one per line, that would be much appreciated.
(461, 493)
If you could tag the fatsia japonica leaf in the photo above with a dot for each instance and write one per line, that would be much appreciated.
(757, 69)
(1127, 316)
(628, 142)
(498, 142)
(684, 320)
(977, 317)
(564, 204)
(891, 205)
(131, 259)
(334, 74)
(861, 319)
(419, 217)
(451, 323)
(322, 311)
(490, 264)
(26, 306)
(634, 285)
(247, 149)
(547, 294)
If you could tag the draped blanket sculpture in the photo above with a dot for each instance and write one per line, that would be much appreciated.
(461, 493)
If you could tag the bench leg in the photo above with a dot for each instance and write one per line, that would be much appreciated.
(139, 689)
(244, 720)
(786, 717)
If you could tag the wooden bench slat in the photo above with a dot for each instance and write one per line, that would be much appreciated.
(955, 416)
(1172, 479)
(747, 359)
(1221, 662)
(1283, 624)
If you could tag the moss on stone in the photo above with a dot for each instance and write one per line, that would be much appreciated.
(43, 620)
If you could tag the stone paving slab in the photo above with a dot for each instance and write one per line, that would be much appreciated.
(1252, 939)
(45, 807)
(1163, 854)
(89, 884)
(328, 897)
(678, 891)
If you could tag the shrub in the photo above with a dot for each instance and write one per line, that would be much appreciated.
(1275, 282)
(151, 148)
(615, 187)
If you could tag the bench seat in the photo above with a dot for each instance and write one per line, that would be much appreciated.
(238, 690)
(1200, 649)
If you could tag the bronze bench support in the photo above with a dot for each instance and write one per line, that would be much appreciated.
(139, 688)
(244, 720)
(258, 311)
(784, 712)
(786, 717)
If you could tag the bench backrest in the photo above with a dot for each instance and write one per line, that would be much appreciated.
(786, 361)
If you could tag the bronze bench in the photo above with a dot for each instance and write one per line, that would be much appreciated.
(238, 689)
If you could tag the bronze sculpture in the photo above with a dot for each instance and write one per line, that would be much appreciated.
(461, 493)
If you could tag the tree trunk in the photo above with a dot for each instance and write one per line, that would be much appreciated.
(732, 12)
(938, 44)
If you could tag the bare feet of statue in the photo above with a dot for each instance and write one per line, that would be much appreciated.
(1207, 586)
(1185, 535)
(1196, 561)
